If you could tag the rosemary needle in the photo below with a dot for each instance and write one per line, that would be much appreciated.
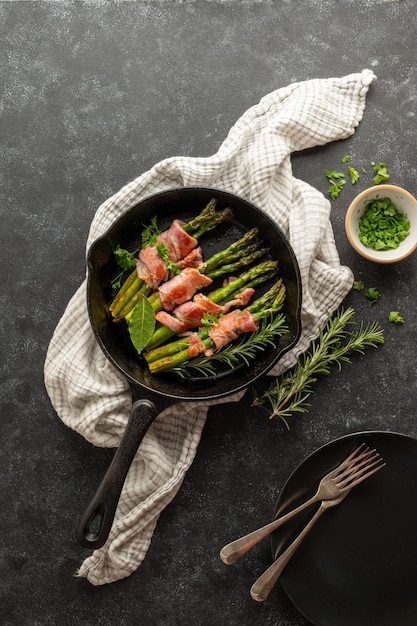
(289, 392)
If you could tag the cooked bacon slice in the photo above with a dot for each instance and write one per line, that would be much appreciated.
(193, 259)
(181, 247)
(150, 267)
(182, 287)
(188, 315)
(178, 242)
(240, 299)
(229, 327)
(195, 346)
(171, 322)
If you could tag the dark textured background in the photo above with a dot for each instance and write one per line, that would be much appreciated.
(93, 94)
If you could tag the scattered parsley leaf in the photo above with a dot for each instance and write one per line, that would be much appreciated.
(116, 283)
(395, 317)
(150, 233)
(209, 319)
(124, 258)
(173, 268)
(346, 158)
(381, 175)
(358, 285)
(333, 174)
(142, 324)
(353, 175)
(373, 295)
(336, 188)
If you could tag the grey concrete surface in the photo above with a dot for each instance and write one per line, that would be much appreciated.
(93, 94)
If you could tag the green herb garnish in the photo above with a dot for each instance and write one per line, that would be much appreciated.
(395, 317)
(346, 158)
(173, 268)
(290, 391)
(209, 319)
(382, 226)
(125, 260)
(330, 174)
(353, 175)
(336, 181)
(142, 323)
(150, 233)
(358, 285)
(373, 295)
(336, 188)
(235, 353)
(381, 175)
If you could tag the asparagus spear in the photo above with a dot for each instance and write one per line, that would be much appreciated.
(219, 296)
(226, 290)
(175, 354)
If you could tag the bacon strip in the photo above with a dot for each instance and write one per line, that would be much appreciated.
(150, 267)
(178, 242)
(182, 288)
(188, 315)
(229, 327)
(195, 346)
(181, 247)
(240, 299)
(193, 259)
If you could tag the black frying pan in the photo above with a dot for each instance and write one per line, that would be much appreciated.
(151, 393)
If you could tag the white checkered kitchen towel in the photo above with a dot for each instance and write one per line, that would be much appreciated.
(91, 397)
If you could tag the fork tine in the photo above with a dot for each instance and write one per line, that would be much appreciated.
(352, 455)
(351, 461)
(348, 462)
(363, 477)
(354, 475)
(363, 460)
(361, 470)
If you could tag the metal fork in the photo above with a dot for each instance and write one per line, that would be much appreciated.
(331, 486)
(349, 478)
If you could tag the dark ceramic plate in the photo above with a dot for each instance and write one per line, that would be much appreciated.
(357, 567)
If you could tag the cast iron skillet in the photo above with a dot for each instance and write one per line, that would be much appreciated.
(150, 393)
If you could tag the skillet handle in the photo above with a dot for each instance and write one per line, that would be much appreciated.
(102, 508)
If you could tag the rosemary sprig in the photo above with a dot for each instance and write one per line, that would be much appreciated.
(289, 392)
(236, 353)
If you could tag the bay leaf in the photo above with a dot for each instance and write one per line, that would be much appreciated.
(142, 324)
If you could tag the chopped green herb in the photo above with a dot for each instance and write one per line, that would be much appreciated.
(353, 175)
(150, 233)
(381, 175)
(373, 295)
(336, 188)
(333, 174)
(395, 317)
(358, 285)
(209, 319)
(346, 158)
(382, 226)
(124, 258)
(173, 268)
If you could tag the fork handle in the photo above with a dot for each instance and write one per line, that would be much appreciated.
(233, 551)
(262, 587)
